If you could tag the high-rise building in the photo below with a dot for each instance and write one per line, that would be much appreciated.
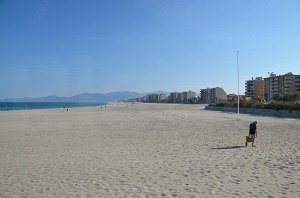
(210, 95)
(179, 97)
(187, 96)
(154, 98)
(255, 88)
(175, 97)
(281, 85)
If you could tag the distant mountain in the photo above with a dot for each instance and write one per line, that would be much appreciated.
(84, 97)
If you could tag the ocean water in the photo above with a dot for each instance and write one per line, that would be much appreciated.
(44, 105)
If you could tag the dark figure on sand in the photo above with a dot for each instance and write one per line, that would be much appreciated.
(252, 133)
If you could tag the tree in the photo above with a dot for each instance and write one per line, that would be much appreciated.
(291, 97)
(278, 98)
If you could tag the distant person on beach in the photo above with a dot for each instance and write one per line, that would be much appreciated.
(253, 131)
(105, 106)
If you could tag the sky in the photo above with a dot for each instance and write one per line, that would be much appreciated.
(63, 48)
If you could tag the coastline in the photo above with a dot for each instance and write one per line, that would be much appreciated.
(11, 106)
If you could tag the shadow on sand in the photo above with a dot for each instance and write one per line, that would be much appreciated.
(227, 147)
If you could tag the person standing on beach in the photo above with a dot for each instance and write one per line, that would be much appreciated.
(253, 131)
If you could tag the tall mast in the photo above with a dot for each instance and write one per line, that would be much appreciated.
(238, 74)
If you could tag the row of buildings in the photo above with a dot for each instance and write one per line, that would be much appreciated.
(182, 97)
(259, 88)
(174, 97)
(274, 85)
(208, 95)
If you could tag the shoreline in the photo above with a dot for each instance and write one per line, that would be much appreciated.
(17, 106)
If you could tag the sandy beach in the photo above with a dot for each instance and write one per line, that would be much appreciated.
(146, 150)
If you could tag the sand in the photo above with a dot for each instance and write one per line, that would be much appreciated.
(146, 150)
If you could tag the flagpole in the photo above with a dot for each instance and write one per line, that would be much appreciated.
(238, 74)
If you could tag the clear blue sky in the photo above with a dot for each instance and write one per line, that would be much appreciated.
(68, 47)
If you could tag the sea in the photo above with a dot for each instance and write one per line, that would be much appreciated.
(7, 106)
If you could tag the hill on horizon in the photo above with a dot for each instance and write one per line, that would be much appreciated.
(83, 97)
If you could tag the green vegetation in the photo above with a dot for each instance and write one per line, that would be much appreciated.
(288, 102)
(287, 98)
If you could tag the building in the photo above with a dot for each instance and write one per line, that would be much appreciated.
(144, 98)
(210, 95)
(204, 95)
(234, 98)
(179, 97)
(255, 88)
(175, 97)
(153, 98)
(162, 97)
(188, 96)
(281, 85)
